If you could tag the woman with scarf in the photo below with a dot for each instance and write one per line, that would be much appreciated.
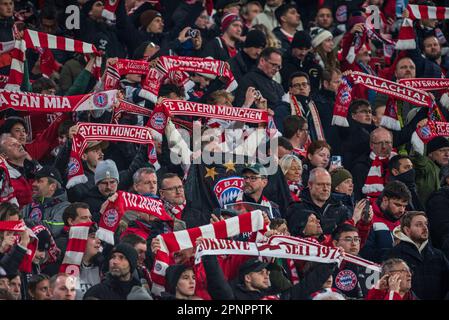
(291, 167)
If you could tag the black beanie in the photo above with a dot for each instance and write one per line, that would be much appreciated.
(298, 219)
(437, 143)
(255, 39)
(172, 276)
(301, 39)
(129, 252)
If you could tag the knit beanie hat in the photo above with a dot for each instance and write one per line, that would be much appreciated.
(255, 39)
(437, 143)
(228, 19)
(319, 35)
(297, 224)
(129, 252)
(172, 276)
(301, 39)
(148, 16)
(106, 170)
(338, 176)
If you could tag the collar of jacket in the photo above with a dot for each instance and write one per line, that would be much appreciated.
(408, 178)
(259, 71)
(307, 198)
(397, 232)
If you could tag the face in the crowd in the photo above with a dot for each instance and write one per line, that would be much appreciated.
(432, 48)
(18, 131)
(282, 152)
(346, 187)
(258, 280)
(234, 31)
(156, 26)
(378, 114)
(429, 23)
(14, 287)
(252, 52)
(274, 3)
(150, 51)
(172, 191)
(183, 256)
(334, 83)
(82, 216)
(202, 20)
(364, 55)
(349, 241)
(320, 189)
(119, 266)
(300, 86)
(320, 158)
(271, 65)
(300, 53)
(405, 276)
(141, 249)
(4, 283)
(253, 183)
(147, 184)
(418, 230)
(396, 207)
(253, 11)
(328, 45)
(294, 172)
(6, 8)
(49, 25)
(96, 10)
(233, 8)
(13, 149)
(42, 188)
(42, 291)
(40, 257)
(292, 18)
(324, 18)
(440, 156)
(64, 288)
(405, 69)
(283, 230)
(107, 187)
(8, 239)
(303, 134)
(93, 156)
(313, 227)
(93, 245)
(382, 143)
(186, 284)
(363, 114)
(404, 166)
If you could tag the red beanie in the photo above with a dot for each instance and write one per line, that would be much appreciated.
(228, 19)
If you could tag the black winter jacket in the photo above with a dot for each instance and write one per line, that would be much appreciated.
(291, 64)
(241, 64)
(112, 289)
(437, 206)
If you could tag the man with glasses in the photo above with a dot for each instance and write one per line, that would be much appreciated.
(173, 196)
(255, 179)
(429, 265)
(261, 78)
(388, 209)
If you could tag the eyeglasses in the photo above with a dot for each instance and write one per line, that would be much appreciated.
(176, 188)
(251, 178)
(383, 143)
(300, 85)
(351, 239)
(275, 65)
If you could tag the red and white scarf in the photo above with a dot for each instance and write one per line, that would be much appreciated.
(6, 188)
(47, 62)
(377, 175)
(35, 39)
(426, 84)
(297, 109)
(185, 239)
(36, 102)
(127, 107)
(384, 86)
(109, 132)
(431, 130)
(13, 225)
(110, 6)
(76, 246)
(125, 201)
(175, 210)
(180, 65)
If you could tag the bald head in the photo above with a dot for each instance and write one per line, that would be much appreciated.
(405, 69)
(381, 142)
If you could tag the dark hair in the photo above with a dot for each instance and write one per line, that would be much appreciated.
(168, 88)
(396, 190)
(35, 280)
(48, 12)
(328, 73)
(394, 162)
(285, 143)
(133, 239)
(336, 234)
(297, 74)
(356, 104)
(267, 52)
(42, 84)
(282, 11)
(8, 210)
(276, 223)
(168, 175)
(318, 145)
(64, 127)
(292, 124)
(406, 219)
(72, 211)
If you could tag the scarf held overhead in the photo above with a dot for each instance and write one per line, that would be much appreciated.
(431, 130)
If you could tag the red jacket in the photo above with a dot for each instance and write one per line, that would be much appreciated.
(376, 294)
(22, 187)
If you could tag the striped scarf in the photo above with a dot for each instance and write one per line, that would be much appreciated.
(377, 175)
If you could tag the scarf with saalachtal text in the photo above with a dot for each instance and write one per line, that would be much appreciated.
(35, 39)
(185, 239)
(392, 89)
(126, 201)
(109, 132)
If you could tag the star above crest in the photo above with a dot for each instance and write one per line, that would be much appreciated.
(230, 166)
(210, 172)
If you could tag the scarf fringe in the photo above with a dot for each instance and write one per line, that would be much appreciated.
(417, 143)
(76, 180)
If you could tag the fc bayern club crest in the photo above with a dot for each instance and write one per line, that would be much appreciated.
(110, 217)
(228, 189)
(36, 215)
(100, 99)
(425, 132)
(346, 280)
(74, 166)
(158, 120)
